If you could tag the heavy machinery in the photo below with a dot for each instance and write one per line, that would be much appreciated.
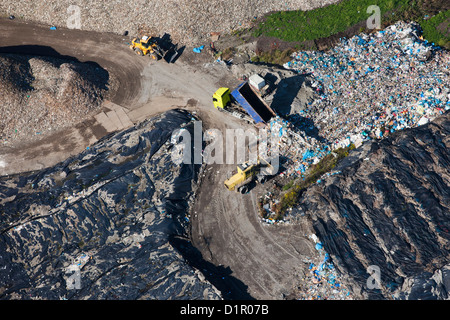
(222, 102)
(244, 97)
(246, 173)
(147, 46)
(156, 48)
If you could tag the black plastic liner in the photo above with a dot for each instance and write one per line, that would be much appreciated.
(117, 205)
(390, 207)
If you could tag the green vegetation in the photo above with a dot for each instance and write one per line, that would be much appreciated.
(437, 29)
(275, 56)
(295, 188)
(300, 26)
(323, 22)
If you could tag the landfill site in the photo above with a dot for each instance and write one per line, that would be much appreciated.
(94, 205)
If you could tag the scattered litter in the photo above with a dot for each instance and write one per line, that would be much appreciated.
(370, 86)
(323, 281)
(198, 49)
(366, 87)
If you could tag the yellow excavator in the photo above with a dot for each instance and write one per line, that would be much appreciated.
(153, 46)
(247, 173)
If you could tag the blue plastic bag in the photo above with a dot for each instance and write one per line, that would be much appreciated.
(198, 49)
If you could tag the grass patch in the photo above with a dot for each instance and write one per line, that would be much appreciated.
(300, 26)
(295, 188)
(322, 22)
(275, 56)
(437, 29)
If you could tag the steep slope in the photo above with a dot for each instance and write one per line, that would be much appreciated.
(388, 210)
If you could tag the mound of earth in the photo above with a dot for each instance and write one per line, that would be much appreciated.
(102, 225)
(386, 211)
(40, 94)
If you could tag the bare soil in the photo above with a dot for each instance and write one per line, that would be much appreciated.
(262, 262)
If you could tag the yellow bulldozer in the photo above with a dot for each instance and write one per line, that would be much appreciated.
(248, 172)
(147, 46)
(156, 48)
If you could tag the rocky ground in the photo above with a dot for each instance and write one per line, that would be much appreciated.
(40, 95)
(187, 21)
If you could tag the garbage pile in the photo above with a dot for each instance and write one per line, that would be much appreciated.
(323, 281)
(298, 149)
(368, 87)
(374, 84)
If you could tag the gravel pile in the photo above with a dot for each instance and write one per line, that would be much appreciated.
(187, 21)
(40, 95)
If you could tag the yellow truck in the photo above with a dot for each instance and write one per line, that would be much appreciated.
(222, 98)
(223, 102)
(246, 173)
(245, 103)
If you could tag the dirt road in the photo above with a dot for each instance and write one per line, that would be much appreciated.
(104, 49)
(262, 262)
(267, 259)
(145, 89)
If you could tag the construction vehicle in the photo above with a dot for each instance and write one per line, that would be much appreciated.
(155, 47)
(146, 46)
(222, 102)
(247, 173)
(244, 97)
